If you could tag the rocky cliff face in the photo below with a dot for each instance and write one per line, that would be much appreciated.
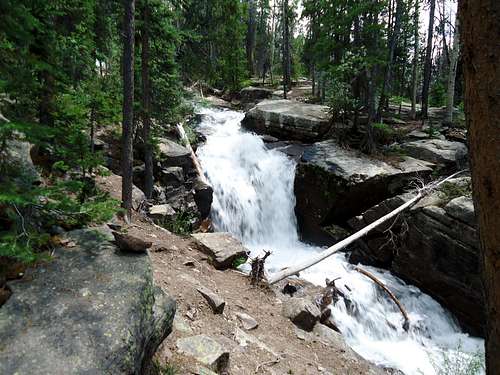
(90, 309)
(333, 184)
(436, 247)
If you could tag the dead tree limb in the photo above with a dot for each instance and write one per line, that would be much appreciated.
(258, 267)
(318, 257)
(406, 324)
(196, 162)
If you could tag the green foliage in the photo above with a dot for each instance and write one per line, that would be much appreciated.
(437, 94)
(340, 100)
(450, 191)
(181, 223)
(167, 369)
(212, 51)
(239, 262)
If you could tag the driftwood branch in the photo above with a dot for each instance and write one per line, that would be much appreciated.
(318, 257)
(196, 162)
(406, 324)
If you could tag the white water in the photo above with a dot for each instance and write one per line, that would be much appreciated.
(254, 200)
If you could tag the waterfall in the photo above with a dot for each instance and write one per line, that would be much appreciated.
(254, 200)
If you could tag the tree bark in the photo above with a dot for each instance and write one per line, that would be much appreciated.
(480, 34)
(394, 36)
(286, 50)
(128, 106)
(250, 37)
(452, 74)
(428, 62)
(146, 104)
(414, 78)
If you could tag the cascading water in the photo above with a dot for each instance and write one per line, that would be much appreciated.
(254, 200)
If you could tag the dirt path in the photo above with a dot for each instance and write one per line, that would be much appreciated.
(179, 268)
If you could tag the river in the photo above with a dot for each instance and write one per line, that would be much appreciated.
(254, 200)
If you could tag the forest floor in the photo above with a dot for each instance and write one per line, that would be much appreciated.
(276, 346)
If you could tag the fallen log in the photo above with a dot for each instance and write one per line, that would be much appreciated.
(196, 162)
(406, 324)
(318, 257)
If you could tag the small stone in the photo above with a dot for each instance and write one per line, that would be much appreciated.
(205, 350)
(302, 312)
(247, 321)
(215, 302)
(129, 243)
(181, 325)
(189, 263)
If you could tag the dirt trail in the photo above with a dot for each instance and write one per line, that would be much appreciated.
(179, 268)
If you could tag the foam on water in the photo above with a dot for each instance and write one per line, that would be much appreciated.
(254, 200)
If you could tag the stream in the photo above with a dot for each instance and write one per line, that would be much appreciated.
(254, 200)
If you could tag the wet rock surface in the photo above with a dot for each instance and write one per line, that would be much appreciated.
(288, 120)
(89, 310)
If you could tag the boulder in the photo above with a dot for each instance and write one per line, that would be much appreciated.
(302, 312)
(205, 350)
(203, 196)
(333, 184)
(436, 151)
(89, 310)
(462, 209)
(254, 94)
(173, 154)
(247, 321)
(437, 250)
(17, 155)
(215, 302)
(171, 176)
(287, 119)
(222, 248)
(217, 102)
(129, 243)
(161, 212)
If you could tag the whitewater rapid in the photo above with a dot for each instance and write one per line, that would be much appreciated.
(254, 200)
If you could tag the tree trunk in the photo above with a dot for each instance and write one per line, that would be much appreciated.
(286, 50)
(146, 104)
(128, 106)
(273, 42)
(480, 33)
(414, 77)
(452, 74)
(428, 62)
(394, 36)
(250, 37)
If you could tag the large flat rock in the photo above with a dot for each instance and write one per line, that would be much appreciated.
(222, 248)
(333, 184)
(90, 310)
(436, 151)
(289, 120)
